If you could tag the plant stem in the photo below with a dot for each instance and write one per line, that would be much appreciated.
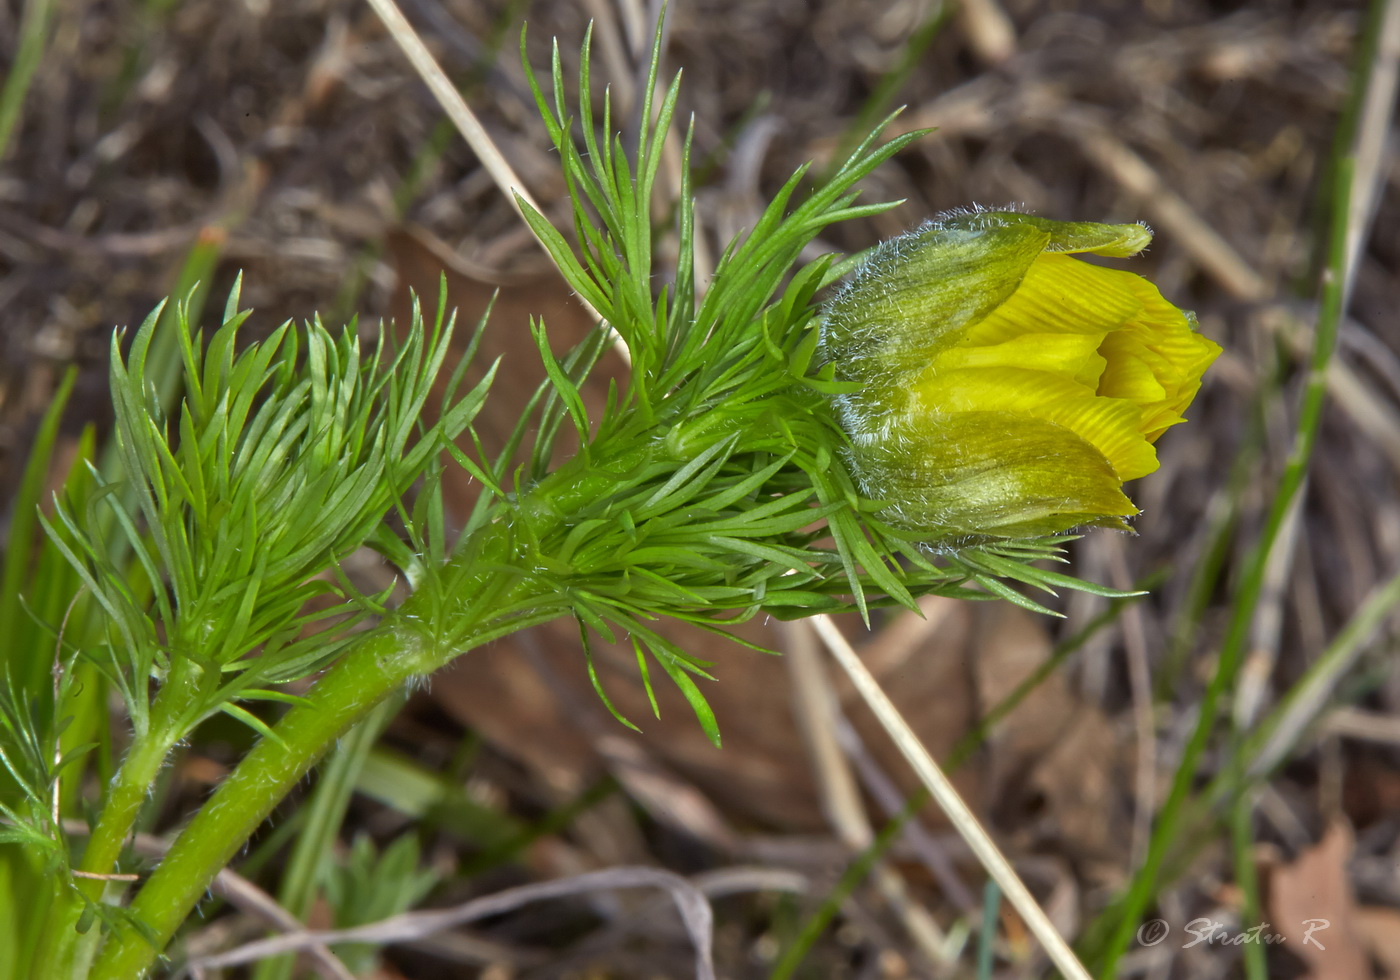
(491, 601)
(60, 940)
(132, 783)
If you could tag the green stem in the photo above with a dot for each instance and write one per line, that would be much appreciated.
(132, 784)
(33, 35)
(60, 942)
(488, 603)
(348, 690)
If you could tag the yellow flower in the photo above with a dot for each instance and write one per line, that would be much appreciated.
(1007, 390)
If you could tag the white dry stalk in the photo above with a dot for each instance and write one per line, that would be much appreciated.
(690, 902)
(452, 103)
(962, 818)
(1377, 108)
(471, 129)
(819, 716)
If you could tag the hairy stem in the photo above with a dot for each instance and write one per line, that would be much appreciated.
(61, 944)
(411, 643)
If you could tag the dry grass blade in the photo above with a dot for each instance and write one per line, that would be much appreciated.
(1366, 726)
(465, 120)
(815, 704)
(958, 813)
(916, 837)
(989, 30)
(694, 910)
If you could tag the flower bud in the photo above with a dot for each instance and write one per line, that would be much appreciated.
(1007, 390)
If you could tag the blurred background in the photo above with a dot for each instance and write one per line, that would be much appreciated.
(147, 146)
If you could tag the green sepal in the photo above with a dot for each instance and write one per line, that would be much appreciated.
(979, 476)
(913, 295)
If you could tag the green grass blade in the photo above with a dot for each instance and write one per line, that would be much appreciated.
(19, 554)
(33, 35)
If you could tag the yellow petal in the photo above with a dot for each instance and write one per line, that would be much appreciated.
(1060, 294)
(1074, 356)
(1110, 425)
(1161, 342)
(1134, 370)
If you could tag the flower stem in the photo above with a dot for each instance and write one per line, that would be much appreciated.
(61, 945)
(348, 690)
(410, 643)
